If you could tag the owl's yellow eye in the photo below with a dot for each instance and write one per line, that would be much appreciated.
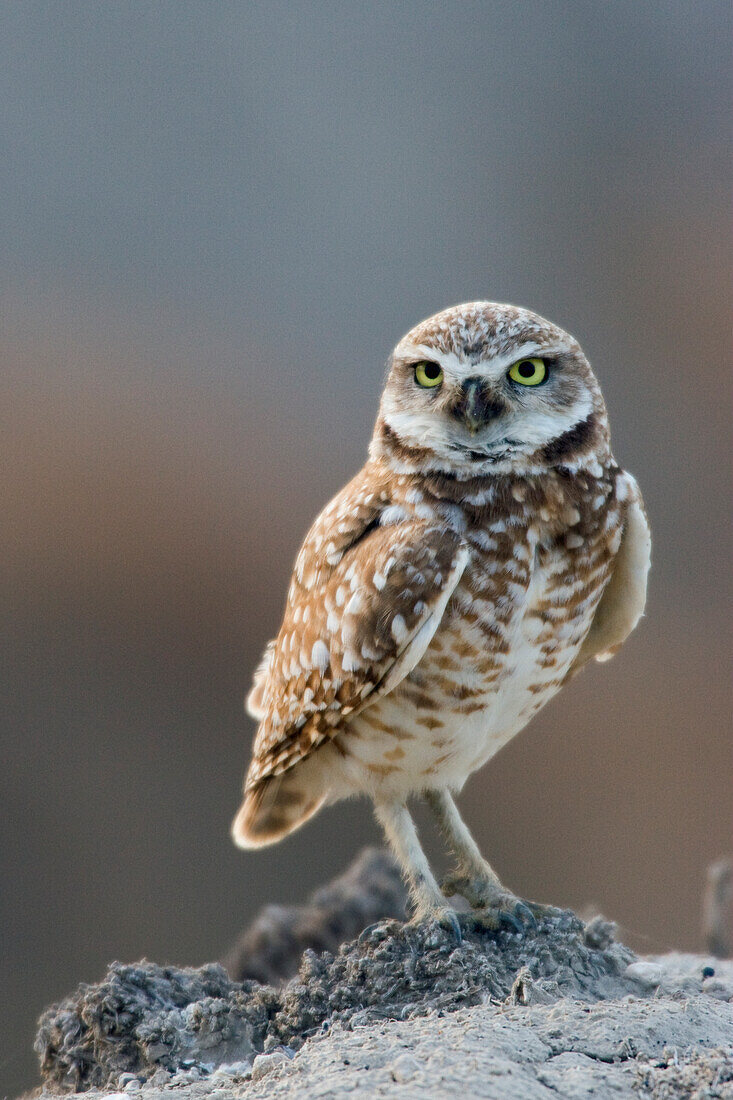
(428, 375)
(528, 372)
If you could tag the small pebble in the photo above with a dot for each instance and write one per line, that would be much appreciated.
(159, 1078)
(266, 1063)
(404, 1068)
(133, 1086)
(719, 988)
(186, 1076)
(233, 1069)
(646, 974)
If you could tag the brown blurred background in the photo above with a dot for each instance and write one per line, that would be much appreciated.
(216, 221)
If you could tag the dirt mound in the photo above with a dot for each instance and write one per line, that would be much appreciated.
(144, 1017)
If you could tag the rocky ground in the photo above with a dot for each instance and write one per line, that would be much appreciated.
(400, 1011)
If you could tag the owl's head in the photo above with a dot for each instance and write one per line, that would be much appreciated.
(483, 389)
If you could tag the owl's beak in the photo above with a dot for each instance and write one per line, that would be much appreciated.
(476, 407)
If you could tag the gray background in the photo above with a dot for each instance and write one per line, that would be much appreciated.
(216, 221)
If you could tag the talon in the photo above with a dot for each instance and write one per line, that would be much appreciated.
(446, 918)
(509, 921)
(514, 922)
(366, 933)
(492, 919)
(507, 914)
(542, 912)
(525, 915)
(382, 927)
(449, 921)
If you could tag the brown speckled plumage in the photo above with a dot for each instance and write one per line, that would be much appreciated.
(447, 592)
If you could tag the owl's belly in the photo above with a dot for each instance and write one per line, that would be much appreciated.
(487, 671)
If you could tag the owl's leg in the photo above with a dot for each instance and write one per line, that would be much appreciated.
(427, 897)
(474, 879)
(479, 883)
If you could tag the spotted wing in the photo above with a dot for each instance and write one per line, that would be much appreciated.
(624, 597)
(255, 704)
(368, 591)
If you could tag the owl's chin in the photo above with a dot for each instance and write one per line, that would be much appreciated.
(471, 466)
(489, 456)
(502, 451)
(455, 460)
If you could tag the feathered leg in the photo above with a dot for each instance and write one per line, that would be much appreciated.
(427, 898)
(474, 879)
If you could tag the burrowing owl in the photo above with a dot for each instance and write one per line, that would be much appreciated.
(487, 550)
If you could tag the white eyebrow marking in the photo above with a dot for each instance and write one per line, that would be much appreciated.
(526, 351)
(419, 351)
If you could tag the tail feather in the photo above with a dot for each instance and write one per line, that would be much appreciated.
(273, 808)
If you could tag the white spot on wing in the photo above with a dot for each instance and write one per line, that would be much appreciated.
(353, 607)
(399, 629)
(320, 655)
(393, 514)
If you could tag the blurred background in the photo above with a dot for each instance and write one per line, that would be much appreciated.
(217, 219)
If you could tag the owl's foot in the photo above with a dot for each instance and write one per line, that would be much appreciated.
(481, 890)
(509, 914)
(495, 918)
(442, 915)
(495, 908)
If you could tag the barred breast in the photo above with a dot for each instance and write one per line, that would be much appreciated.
(505, 645)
